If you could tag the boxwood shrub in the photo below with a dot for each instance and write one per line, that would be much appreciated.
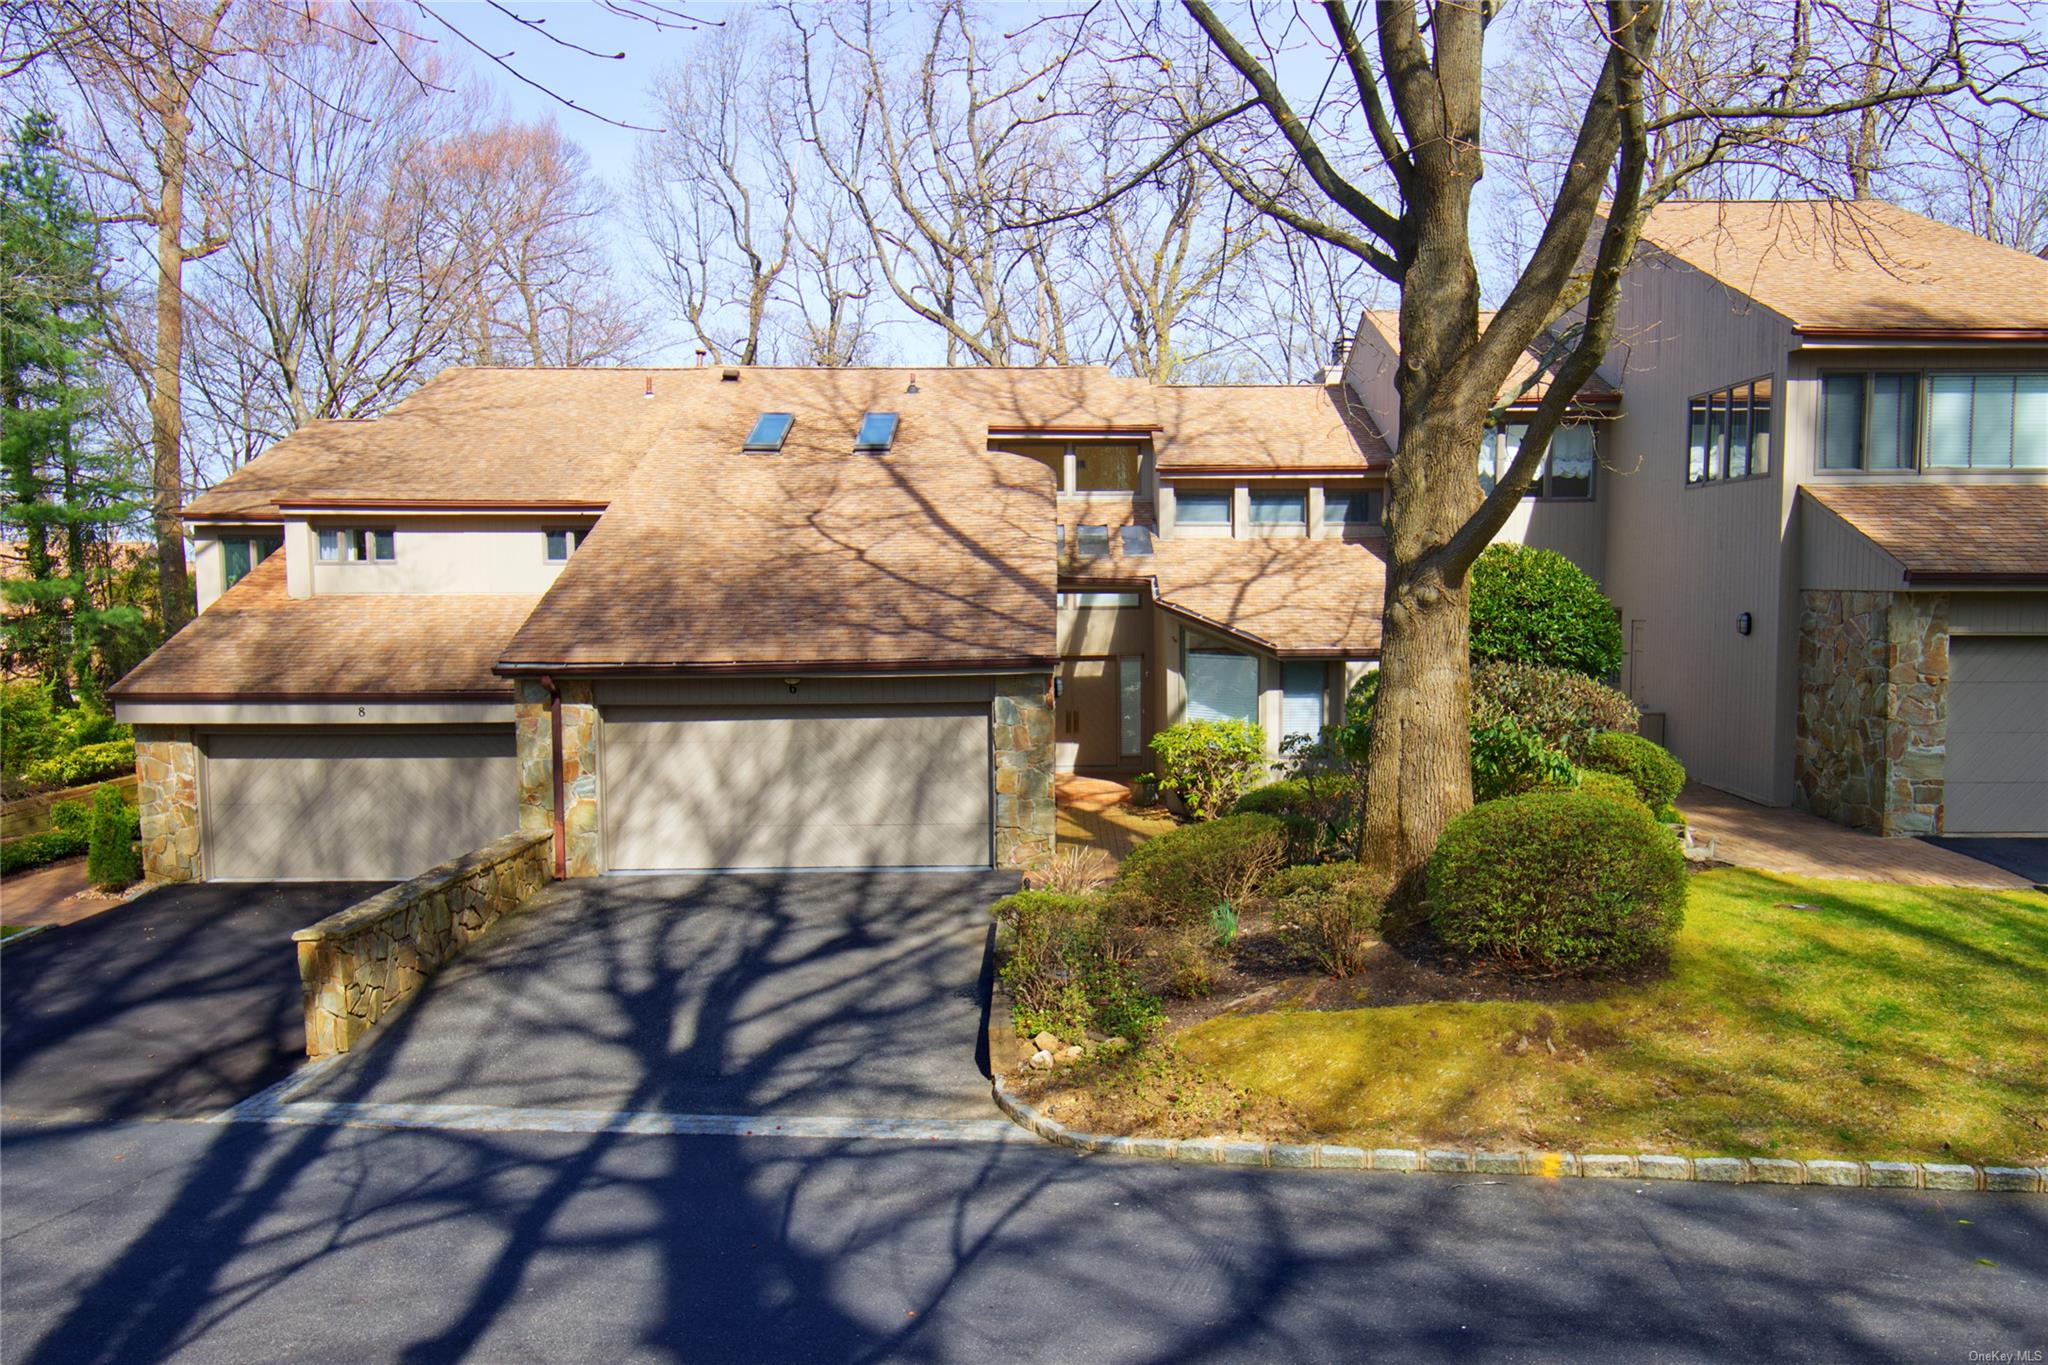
(1064, 970)
(1609, 787)
(1650, 768)
(1563, 708)
(1557, 881)
(1182, 874)
(1537, 607)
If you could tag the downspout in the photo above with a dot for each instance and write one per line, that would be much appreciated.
(555, 733)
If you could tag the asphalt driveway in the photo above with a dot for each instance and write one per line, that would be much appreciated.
(179, 1003)
(855, 994)
(2023, 857)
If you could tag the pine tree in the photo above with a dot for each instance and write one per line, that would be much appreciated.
(68, 489)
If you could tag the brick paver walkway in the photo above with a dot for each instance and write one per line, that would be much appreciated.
(1091, 812)
(1779, 839)
(49, 895)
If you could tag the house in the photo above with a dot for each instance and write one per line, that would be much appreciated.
(744, 617)
(783, 618)
(1820, 502)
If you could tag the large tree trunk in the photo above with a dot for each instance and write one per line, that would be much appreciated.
(166, 399)
(1420, 774)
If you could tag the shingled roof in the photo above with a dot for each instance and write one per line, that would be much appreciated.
(1949, 532)
(258, 643)
(1856, 267)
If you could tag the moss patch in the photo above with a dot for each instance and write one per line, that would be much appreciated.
(1802, 1018)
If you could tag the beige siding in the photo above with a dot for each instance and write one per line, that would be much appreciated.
(1370, 373)
(1685, 562)
(1105, 630)
(470, 555)
(1999, 613)
(1833, 555)
(776, 691)
(1576, 530)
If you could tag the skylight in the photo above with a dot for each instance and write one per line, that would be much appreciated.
(877, 431)
(769, 431)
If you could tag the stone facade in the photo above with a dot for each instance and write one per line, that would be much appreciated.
(580, 739)
(1024, 769)
(167, 798)
(1872, 736)
(357, 965)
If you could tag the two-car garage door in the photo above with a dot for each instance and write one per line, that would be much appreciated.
(1996, 771)
(702, 787)
(372, 804)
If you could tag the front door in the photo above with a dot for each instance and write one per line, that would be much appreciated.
(1085, 714)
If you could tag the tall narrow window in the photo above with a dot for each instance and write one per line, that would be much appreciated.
(1841, 421)
(1760, 423)
(1738, 432)
(1571, 462)
(1894, 421)
(1130, 704)
(1696, 458)
(1301, 698)
(1717, 437)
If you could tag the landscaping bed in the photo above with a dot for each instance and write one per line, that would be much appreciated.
(1799, 1018)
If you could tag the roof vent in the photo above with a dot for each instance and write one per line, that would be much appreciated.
(770, 430)
(729, 375)
(877, 432)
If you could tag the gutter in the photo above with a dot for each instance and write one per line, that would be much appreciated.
(1022, 663)
(1945, 576)
(1881, 335)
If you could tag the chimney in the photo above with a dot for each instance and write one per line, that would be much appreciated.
(1340, 353)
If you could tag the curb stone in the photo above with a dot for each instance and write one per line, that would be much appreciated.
(1721, 1170)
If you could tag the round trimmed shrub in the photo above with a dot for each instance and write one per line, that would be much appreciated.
(1557, 881)
(1610, 787)
(1564, 708)
(1537, 607)
(1650, 768)
(1182, 874)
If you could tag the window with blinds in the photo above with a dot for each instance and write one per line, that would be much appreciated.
(1222, 685)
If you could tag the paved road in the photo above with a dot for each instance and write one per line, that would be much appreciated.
(248, 1242)
(178, 1003)
(815, 993)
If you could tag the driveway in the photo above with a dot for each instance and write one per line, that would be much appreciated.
(2021, 856)
(855, 994)
(179, 1003)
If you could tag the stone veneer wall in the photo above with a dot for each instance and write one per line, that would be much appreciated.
(580, 726)
(167, 798)
(1872, 737)
(356, 965)
(1022, 714)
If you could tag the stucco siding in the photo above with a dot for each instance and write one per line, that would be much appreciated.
(455, 556)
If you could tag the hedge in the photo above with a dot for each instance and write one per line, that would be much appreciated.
(1564, 708)
(1537, 607)
(1650, 768)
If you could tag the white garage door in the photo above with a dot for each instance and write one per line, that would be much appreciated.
(797, 786)
(354, 805)
(1997, 769)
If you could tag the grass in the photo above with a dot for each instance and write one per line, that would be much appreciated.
(1802, 1018)
(8, 931)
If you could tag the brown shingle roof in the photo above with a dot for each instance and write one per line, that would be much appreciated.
(1254, 427)
(937, 552)
(1861, 266)
(257, 642)
(1949, 531)
(1311, 596)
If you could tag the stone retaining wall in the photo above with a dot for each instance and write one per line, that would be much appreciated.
(357, 964)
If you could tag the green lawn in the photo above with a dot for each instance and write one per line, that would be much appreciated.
(1883, 1021)
(8, 931)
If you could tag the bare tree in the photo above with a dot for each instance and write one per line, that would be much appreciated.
(1388, 174)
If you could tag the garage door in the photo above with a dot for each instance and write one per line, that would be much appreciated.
(370, 805)
(800, 786)
(1997, 769)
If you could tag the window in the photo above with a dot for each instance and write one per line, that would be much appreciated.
(1203, 507)
(358, 546)
(877, 431)
(1102, 467)
(562, 543)
(1352, 506)
(1130, 704)
(1987, 421)
(1279, 508)
(1091, 540)
(1566, 471)
(770, 430)
(241, 554)
(1301, 698)
(1222, 685)
(1137, 540)
(1098, 599)
(1728, 434)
